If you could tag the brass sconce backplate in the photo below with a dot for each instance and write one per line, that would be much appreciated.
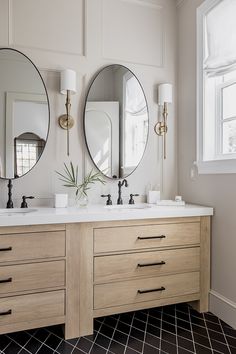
(66, 123)
(160, 128)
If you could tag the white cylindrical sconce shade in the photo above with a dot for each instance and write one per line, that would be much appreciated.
(68, 81)
(164, 94)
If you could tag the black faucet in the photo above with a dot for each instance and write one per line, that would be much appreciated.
(120, 184)
(109, 201)
(10, 202)
(131, 201)
(24, 204)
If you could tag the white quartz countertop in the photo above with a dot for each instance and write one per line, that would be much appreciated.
(99, 213)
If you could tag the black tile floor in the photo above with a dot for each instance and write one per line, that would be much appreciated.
(175, 329)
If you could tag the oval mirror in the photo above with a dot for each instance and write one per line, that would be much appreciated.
(116, 121)
(24, 114)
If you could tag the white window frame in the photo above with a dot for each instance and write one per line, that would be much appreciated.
(220, 122)
(222, 163)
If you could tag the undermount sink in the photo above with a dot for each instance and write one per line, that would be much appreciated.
(14, 211)
(127, 207)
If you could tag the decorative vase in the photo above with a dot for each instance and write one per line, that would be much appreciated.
(81, 200)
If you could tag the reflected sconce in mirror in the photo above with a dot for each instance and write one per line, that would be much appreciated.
(164, 98)
(68, 88)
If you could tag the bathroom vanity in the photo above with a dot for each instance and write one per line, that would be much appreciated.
(72, 265)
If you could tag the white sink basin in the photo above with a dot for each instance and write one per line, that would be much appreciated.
(126, 207)
(16, 211)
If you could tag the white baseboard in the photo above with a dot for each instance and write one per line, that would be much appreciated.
(224, 308)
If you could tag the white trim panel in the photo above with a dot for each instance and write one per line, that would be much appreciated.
(22, 33)
(216, 166)
(144, 21)
(223, 308)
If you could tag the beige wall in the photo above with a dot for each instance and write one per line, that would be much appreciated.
(218, 191)
(86, 35)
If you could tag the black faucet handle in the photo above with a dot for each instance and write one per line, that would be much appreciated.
(24, 204)
(131, 201)
(108, 196)
(125, 182)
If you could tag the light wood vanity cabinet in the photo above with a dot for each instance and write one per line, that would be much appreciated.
(72, 273)
(32, 276)
(118, 239)
(136, 291)
(148, 264)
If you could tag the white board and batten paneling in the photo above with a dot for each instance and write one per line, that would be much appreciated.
(86, 35)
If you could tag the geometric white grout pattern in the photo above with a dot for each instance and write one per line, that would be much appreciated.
(175, 329)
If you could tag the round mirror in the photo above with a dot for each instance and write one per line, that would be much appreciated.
(116, 121)
(24, 114)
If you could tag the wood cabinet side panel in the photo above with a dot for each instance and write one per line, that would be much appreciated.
(79, 280)
(205, 261)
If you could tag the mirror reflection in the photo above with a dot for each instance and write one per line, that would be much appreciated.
(24, 114)
(116, 121)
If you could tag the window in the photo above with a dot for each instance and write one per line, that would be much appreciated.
(216, 102)
(28, 149)
(135, 123)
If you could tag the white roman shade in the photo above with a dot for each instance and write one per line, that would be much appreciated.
(220, 34)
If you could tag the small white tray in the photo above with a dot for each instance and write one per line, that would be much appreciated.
(170, 203)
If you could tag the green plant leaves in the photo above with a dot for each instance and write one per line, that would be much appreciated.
(70, 179)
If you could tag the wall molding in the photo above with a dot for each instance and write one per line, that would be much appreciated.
(13, 44)
(9, 23)
(46, 50)
(143, 3)
(223, 307)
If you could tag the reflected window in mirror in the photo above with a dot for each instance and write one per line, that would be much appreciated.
(116, 121)
(24, 107)
(135, 123)
(28, 148)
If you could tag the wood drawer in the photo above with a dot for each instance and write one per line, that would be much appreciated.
(129, 265)
(127, 292)
(31, 307)
(113, 239)
(17, 247)
(33, 276)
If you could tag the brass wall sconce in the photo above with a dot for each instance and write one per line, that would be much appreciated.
(164, 97)
(68, 88)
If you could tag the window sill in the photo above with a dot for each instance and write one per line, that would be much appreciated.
(216, 166)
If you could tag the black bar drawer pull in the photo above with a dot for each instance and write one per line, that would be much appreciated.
(9, 312)
(8, 280)
(151, 290)
(151, 237)
(5, 249)
(151, 264)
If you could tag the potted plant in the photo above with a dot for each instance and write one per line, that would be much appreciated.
(70, 179)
